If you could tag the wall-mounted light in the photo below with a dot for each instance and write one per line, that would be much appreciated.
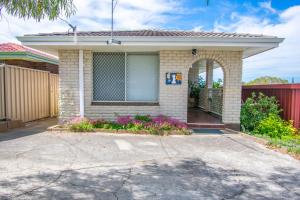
(113, 41)
(194, 52)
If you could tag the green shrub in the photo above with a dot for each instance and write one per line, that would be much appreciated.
(143, 118)
(82, 126)
(135, 127)
(274, 127)
(257, 108)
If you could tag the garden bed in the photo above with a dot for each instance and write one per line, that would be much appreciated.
(139, 124)
(260, 118)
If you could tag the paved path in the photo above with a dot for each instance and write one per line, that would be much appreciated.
(36, 164)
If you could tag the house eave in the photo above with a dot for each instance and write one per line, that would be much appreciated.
(26, 56)
(59, 42)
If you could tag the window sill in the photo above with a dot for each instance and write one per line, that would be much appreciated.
(128, 103)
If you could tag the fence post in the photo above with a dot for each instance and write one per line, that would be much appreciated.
(49, 92)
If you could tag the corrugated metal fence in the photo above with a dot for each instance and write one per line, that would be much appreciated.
(2, 97)
(27, 94)
(288, 96)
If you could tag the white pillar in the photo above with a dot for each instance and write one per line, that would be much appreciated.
(209, 82)
(81, 84)
(209, 73)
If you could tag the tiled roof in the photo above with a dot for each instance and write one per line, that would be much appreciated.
(14, 48)
(157, 33)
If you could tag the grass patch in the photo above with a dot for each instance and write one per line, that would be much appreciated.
(291, 142)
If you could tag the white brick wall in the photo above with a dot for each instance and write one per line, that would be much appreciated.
(172, 98)
(68, 83)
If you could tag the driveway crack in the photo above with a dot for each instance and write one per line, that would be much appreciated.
(123, 183)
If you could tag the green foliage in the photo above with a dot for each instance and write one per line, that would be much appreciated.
(82, 126)
(135, 127)
(202, 82)
(101, 124)
(218, 83)
(38, 9)
(143, 118)
(290, 142)
(267, 80)
(159, 125)
(195, 90)
(274, 127)
(257, 108)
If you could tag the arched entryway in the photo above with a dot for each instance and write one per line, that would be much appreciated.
(205, 94)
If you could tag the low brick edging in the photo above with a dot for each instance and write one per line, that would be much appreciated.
(235, 127)
(59, 128)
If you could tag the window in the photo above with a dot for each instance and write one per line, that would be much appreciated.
(125, 77)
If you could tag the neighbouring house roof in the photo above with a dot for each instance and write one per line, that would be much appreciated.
(12, 51)
(152, 40)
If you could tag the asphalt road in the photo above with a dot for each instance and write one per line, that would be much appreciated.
(36, 164)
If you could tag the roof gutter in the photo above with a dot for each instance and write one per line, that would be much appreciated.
(152, 39)
(26, 56)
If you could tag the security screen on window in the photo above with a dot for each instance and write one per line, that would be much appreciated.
(125, 77)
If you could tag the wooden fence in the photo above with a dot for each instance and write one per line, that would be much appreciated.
(27, 94)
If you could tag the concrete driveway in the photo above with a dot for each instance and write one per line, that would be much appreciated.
(36, 164)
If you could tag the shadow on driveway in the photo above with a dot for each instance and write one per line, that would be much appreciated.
(31, 128)
(183, 179)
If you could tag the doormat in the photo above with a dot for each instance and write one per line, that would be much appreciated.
(206, 131)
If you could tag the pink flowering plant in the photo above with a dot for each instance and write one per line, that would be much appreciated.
(79, 124)
(158, 125)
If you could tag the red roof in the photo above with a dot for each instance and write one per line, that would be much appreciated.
(12, 47)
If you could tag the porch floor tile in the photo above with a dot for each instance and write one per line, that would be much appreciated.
(198, 116)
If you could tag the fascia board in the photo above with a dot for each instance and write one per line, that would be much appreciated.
(141, 40)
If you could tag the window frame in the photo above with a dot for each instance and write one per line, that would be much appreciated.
(126, 102)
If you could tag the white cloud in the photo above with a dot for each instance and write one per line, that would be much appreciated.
(95, 15)
(198, 28)
(267, 6)
(283, 61)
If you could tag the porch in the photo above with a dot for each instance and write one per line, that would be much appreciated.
(205, 95)
(198, 118)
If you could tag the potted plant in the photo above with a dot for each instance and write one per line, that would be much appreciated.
(194, 93)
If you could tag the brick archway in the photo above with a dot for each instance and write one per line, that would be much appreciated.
(217, 57)
(231, 64)
(212, 55)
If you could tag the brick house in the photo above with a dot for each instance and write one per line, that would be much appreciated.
(148, 72)
(22, 56)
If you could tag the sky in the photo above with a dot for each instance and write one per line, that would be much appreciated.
(270, 17)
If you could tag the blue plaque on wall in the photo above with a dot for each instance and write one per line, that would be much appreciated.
(173, 78)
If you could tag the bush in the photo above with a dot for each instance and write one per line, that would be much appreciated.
(274, 127)
(159, 125)
(143, 118)
(257, 108)
(81, 125)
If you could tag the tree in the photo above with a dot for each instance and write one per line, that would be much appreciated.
(38, 9)
(267, 80)
(218, 83)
